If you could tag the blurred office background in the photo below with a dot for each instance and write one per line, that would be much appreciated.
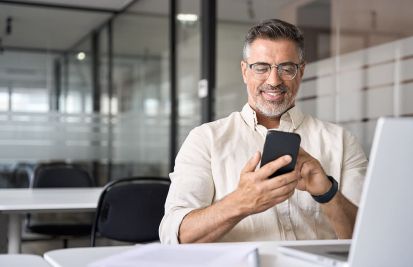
(113, 85)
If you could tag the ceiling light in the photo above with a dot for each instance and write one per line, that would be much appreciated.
(81, 56)
(188, 18)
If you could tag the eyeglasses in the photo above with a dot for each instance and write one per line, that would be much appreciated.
(286, 71)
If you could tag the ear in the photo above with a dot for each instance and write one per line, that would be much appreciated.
(244, 71)
(302, 68)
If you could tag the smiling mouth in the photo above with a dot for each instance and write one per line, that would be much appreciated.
(273, 95)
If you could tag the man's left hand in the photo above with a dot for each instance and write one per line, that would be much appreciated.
(313, 178)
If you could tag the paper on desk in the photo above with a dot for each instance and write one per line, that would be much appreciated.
(199, 255)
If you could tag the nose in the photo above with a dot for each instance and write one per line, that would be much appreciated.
(274, 78)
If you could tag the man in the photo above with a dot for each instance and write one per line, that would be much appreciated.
(218, 190)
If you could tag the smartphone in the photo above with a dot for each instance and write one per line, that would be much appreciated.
(278, 144)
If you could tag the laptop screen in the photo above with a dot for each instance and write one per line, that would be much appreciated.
(383, 230)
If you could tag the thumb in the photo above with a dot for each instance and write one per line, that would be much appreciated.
(252, 163)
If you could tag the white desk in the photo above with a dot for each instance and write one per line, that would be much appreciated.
(81, 257)
(16, 202)
(22, 260)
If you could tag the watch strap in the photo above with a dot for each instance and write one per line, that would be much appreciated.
(326, 197)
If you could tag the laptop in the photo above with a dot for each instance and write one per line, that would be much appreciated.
(383, 233)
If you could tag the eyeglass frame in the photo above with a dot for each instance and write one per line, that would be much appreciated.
(297, 66)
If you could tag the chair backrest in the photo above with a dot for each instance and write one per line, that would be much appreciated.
(131, 209)
(60, 175)
(22, 175)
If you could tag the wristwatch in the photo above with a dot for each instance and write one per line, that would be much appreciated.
(326, 197)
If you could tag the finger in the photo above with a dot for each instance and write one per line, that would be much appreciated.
(301, 185)
(282, 180)
(302, 152)
(285, 188)
(268, 169)
(252, 163)
(306, 168)
(302, 157)
(298, 166)
(283, 198)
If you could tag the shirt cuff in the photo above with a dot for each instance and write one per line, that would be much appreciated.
(170, 227)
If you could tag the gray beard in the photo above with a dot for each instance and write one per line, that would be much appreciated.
(272, 109)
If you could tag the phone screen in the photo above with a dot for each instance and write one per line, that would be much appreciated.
(278, 144)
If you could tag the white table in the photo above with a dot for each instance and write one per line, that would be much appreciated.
(81, 257)
(269, 256)
(22, 260)
(16, 202)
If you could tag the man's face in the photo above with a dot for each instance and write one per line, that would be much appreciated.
(272, 96)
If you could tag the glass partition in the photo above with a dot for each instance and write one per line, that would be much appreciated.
(45, 88)
(188, 66)
(142, 91)
(78, 89)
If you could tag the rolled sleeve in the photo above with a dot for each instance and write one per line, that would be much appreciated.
(353, 170)
(192, 186)
(169, 227)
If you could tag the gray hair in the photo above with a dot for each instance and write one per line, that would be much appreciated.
(275, 29)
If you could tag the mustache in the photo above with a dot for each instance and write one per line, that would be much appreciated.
(267, 87)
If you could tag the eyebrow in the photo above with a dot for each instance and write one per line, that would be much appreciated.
(261, 62)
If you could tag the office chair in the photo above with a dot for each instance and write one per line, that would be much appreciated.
(131, 209)
(22, 175)
(60, 175)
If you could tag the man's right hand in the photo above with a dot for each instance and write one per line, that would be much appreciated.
(256, 192)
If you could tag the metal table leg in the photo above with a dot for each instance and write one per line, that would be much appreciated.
(15, 233)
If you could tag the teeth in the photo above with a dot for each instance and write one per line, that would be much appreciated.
(272, 94)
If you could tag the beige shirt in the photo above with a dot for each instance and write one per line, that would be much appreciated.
(210, 161)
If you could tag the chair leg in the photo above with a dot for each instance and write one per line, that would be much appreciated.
(65, 242)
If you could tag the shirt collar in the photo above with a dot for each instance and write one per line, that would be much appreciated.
(294, 116)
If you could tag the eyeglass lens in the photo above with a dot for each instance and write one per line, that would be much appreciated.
(286, 71)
